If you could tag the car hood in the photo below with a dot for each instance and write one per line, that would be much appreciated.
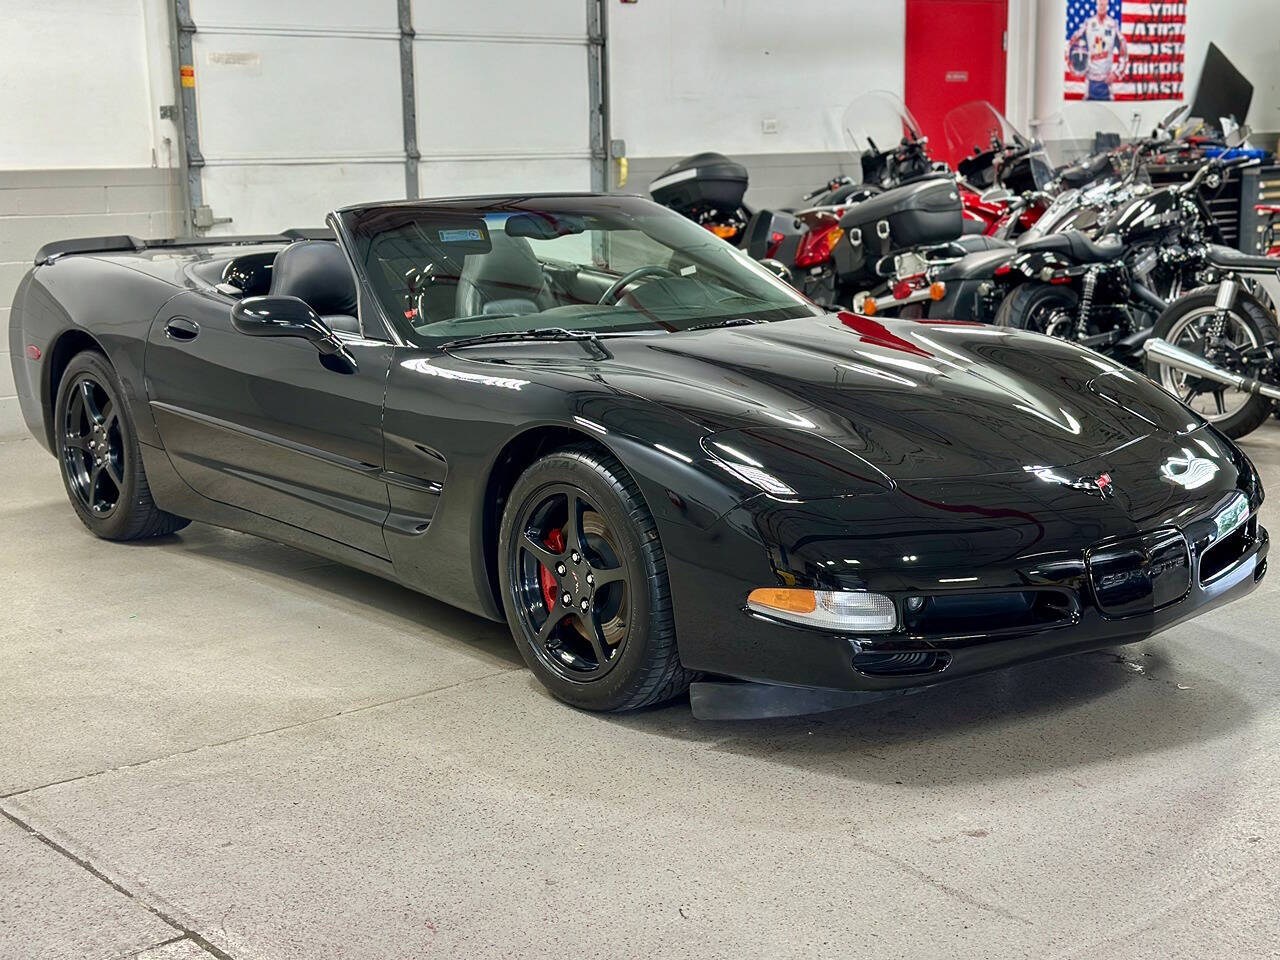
(911, 400)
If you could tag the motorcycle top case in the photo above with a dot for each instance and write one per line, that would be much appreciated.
(703, 180)
(918, 214)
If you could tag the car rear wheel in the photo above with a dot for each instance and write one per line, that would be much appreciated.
(584, 584)
(97, 448)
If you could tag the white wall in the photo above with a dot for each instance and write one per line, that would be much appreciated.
(77, 84)
(1245, 30)
(692, 75)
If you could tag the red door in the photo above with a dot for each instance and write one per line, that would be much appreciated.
(955, 54)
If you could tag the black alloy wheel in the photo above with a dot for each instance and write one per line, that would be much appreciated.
(93, 458)
(97, 449)
(584, 584)
(573, 588)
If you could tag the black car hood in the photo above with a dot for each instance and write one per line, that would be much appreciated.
(913, 400)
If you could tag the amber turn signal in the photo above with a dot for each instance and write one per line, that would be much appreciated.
(937, 290)
(789, 601)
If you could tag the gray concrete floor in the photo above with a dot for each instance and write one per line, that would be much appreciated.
(213, 745)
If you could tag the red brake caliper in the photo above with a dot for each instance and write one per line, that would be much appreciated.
(554, 542)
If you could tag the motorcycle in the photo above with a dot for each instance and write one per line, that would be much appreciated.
(1106, 293)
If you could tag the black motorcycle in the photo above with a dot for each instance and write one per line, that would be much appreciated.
(1106, 293)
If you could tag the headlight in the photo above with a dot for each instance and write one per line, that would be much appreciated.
(857, 611)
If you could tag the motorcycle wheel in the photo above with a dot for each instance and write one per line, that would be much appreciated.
(1249, 324)
(1040, 308)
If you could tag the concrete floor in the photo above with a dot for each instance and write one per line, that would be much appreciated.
(212, 745)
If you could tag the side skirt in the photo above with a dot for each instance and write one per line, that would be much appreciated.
(171, 493)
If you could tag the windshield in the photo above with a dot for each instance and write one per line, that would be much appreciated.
(975, 128)
(606, 265)
(1083, 130)
(878, 121)
(987, 149)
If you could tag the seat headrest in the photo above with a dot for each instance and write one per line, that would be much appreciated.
(317, 272)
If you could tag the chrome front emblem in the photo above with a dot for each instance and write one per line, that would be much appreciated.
(1189, 471)
(1099, 484)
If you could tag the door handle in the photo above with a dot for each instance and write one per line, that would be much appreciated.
(180, 328)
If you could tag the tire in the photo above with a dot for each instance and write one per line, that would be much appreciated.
(612, 560)
(97, 448)
(1030, 306)
(1253, 316)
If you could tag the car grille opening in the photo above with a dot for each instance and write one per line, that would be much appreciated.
(905, 663)
(964, 613)
(1228, 551)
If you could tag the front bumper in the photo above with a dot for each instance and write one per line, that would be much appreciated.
(1011, 568)
(770, 651)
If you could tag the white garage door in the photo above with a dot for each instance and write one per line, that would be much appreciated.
(502, 96)
(299, 103)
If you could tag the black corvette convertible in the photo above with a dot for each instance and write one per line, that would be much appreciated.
(655, 460)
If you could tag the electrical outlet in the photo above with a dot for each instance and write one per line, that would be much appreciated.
(769, 125)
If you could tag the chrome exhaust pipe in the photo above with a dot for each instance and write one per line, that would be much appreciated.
(1161, 351)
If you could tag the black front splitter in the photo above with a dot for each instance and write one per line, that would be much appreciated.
(745, 700)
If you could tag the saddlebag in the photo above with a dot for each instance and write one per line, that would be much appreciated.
(918, 214)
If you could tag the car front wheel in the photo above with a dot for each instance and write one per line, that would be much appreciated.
(584, 584)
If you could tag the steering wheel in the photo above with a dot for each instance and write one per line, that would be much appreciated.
(627, 279)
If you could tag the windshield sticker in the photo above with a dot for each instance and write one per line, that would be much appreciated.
(462, 235)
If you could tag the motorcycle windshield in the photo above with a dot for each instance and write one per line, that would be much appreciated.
(1089, 129)
(878, 121)
(978, 128)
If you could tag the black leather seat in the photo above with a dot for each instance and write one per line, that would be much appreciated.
(1077, 245)
(1228, 258)
(507, 279)
(974, 242)
(317, 272)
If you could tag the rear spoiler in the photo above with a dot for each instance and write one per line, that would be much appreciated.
(124, 243)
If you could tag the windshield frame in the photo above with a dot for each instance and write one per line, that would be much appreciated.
(354, 225)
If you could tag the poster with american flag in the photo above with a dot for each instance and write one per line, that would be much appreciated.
(1125, 49)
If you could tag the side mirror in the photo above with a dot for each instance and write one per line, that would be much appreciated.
(291, 317)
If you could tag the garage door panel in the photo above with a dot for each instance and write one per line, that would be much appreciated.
(296, 15)
(455, 178)
(266, 198)
(482, 97)
(287, 97)
(541, 18)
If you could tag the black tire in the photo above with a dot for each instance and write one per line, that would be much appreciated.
(97, 448)
(1250, 312)
(637, 664)
(1029, 306)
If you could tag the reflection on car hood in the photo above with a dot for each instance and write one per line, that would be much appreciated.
(914, 400)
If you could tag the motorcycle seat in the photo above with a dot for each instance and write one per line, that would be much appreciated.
(1077, 245)
(1228, 258)
(973, 242)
